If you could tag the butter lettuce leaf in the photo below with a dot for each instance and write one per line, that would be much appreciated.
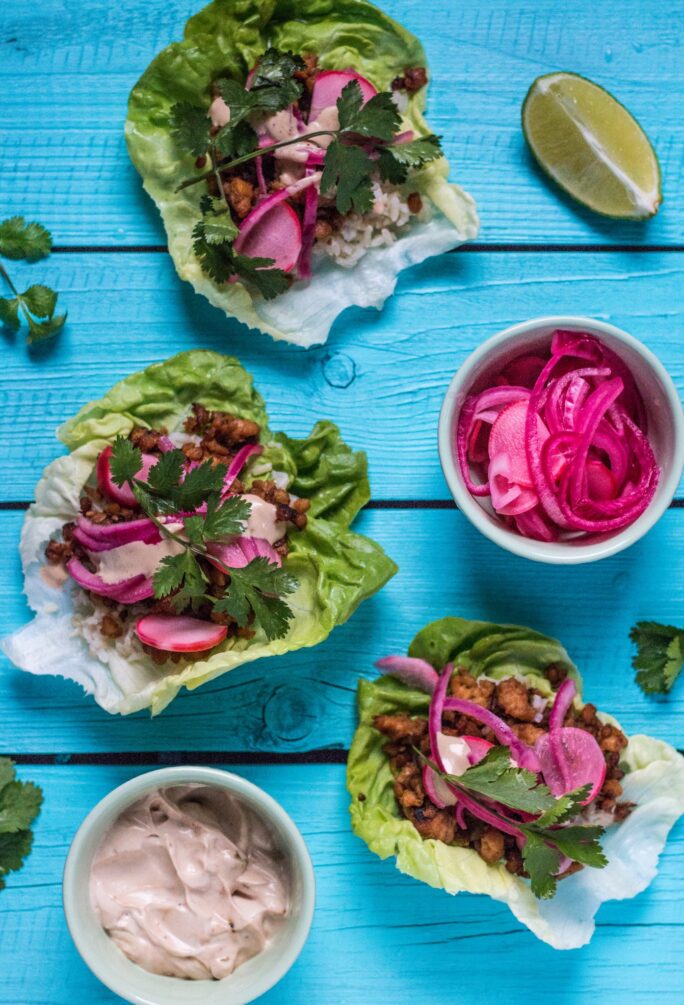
(654, 781)
(226, 38)
(335, 567)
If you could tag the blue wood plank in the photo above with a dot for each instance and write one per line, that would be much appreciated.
(381, 377)
(78, 64)
(377, 936)
(306, 700)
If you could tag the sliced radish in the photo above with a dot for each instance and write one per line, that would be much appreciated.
(329, 86)
(570, 758)
(179, 634)
(509, 497)
(121, 494)
(478, 748)
(243, 550)
(276, 234)
(508, 437)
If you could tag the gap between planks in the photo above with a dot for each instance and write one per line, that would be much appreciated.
(473, 248)
(175, 757)
(430, 504)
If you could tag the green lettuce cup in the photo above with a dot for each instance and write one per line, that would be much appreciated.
(653, 781)
(225, 39)
(335, 568)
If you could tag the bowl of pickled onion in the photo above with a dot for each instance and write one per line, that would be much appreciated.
(562, 439)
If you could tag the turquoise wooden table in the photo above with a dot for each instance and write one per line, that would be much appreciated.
(65, 72)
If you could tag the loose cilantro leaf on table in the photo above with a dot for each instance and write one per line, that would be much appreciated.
(659, 657)
(22, 240)
(20, 804)
(37, 304)
(208, 517)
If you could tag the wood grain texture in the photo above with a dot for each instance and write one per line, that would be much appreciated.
(376, 935)
(306, 700)
(66, 71)
(381, 377)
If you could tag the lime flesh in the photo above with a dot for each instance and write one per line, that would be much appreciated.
(591, 146)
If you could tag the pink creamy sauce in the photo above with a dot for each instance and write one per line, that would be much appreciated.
(190, 883)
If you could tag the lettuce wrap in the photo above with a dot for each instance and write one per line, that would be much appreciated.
(654, 781)
(226, 38)
(336, 569)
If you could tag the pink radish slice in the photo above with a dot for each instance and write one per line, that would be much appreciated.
(570, 758)
(478, 748)
(121, 494)
(243, 550)
(411, 671)
(535, 524)
(524, 370)
(508, 436)
(179, 634)
(276, 234)
(329, 86)
(509, 498)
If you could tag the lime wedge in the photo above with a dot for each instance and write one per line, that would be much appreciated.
(591, 146)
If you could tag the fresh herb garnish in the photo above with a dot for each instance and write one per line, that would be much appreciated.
(497, 781)
(19, 806)
(659, 656)
(364, 144)
(37, 304)
(170, 489)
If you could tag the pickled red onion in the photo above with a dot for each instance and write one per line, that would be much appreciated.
(567, 454)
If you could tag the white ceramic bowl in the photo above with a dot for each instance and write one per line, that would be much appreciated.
(130, 981)
(665, 432)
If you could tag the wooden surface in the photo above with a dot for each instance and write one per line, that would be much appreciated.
(65, 72)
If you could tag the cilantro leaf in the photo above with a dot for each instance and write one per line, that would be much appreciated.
(166, 473)
(125, 461)
(13, 850)
(172, 571)
(659, 657)
(496, 779)
(260, 272)
(226, 518)
(39, 330)
(215, 229)
(216, 260)
(348, 170)
(7, 772)
(276, 69)
(198, 483)
(19, 806)
(40, 300)
(542, 863)
(190, 127)
(564, 808)
(378, 119)
(9, 313)
(580, 843)
(258, 587)
(240, 101)
(21, 240)
(394, 162)
(235, 140)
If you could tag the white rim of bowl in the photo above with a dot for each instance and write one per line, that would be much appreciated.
(556, 553)
(125, 794)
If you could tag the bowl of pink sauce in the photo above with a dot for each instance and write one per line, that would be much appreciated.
(562, 439)
(188, 885)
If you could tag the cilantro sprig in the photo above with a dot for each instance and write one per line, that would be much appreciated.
(366, 143)
(37, 304)
(170, 490)
(20, 804)
(551, 835)
(659, 657)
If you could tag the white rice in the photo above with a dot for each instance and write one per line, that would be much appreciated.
(87, 618)
(378, 228)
